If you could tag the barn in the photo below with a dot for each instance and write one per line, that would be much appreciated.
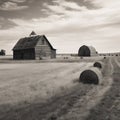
(33, 47)
(87, 51)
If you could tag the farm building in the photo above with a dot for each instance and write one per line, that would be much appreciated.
(87, 51)
(33, 47)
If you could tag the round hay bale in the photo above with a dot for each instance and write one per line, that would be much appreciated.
(98, 64)
(87, 51)
(92, 76)
(104, 58)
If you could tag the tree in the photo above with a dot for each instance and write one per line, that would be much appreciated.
(2, 52)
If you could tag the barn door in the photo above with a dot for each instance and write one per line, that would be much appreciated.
(22, 55)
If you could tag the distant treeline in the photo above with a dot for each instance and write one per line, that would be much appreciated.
(2, 52)
(110, 54)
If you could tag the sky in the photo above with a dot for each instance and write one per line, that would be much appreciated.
(68, 24)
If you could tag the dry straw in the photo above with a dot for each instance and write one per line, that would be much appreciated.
(91, 75)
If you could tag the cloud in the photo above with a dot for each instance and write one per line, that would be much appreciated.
(84, 16)
(6, 24)
(69, 25)
(73, 20)
(18, 1)
(105, 3)
(55, 8)
(11, 6)
(71, 4)
(60, 7)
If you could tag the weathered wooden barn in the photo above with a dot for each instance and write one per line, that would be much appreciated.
(33, 47)
(87, 51)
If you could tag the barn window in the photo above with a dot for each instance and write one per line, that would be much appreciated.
(43, 42)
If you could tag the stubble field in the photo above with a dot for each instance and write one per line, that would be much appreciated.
(51, 91)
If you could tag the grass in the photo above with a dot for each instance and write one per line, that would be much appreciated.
(26, 82)
(28, 88)
(9, 59)
(33, 83)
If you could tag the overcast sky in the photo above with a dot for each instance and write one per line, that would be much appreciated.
(68, 24)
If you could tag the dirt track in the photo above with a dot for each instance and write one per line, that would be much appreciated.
(82, 102)
(109, 106)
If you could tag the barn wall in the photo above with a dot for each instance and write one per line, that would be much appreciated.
(53, 53)
(17, 55)
(43, 50)
(24, 54)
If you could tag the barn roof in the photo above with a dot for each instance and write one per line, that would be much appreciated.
(30, 42)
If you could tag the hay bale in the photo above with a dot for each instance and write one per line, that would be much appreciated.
(87, 51)
(98, 64)
(104, 58)
(92, 76)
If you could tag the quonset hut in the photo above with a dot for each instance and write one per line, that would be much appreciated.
(87, 51)
(33, 47)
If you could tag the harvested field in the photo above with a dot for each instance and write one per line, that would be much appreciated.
(109, 107)
(9, 59)
(25, 84)
(51, 91)
(30, 80)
